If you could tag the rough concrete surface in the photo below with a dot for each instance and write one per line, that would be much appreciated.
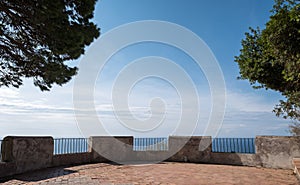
(27, 153)
(277, 151)
(112, 148)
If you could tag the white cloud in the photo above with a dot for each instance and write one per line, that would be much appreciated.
(248, 102)
(28, 111)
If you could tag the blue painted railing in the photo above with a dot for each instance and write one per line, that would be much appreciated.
(70, 145)
(150, 144)
(225, 145)
(234, 145)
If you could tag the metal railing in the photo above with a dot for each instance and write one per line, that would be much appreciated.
(70, 145)
(233, 145)
(150, 144)
(225, 145)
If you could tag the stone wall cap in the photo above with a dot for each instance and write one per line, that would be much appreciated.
(288, 137)
(111, 136)
(190, 136)
(28, 137)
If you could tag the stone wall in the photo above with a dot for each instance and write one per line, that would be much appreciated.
(108, 148)
(186, 149)
(71, 159)
(26, 153)
(235, 159)
(7, 169)
(21, 154)
(277, 151)
(181, 149)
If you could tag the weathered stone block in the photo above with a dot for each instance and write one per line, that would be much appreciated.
(28, 153)
(190, 149)
(277, 151)
(115, 149)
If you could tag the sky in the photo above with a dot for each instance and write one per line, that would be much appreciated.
(221, 26)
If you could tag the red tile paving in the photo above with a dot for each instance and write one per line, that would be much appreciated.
(163, 173)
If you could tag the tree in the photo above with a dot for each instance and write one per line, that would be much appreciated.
(295, 129)
(37, 37)
(270, 58)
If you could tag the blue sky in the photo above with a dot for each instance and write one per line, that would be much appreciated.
(221, 24)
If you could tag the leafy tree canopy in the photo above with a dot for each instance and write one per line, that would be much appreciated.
(295, 129)
(270, 58)
(38, 36)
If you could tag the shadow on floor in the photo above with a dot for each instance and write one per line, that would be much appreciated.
(39, 175)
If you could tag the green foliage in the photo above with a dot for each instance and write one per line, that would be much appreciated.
(270, 58)
(38, 36)
(295, 129)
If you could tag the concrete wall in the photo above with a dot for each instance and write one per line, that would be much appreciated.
(181, 149)
(108, 148)
(235, 159)
(277, 151)
(7, 169)
(71, 159)
(186, 149)
(21, 154)
(26, 153)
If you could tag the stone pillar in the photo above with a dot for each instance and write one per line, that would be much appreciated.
(277, 151)
(116, 149)
(190, 149)
(27, 153)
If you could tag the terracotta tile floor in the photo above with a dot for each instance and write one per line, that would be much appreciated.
(163, 173)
